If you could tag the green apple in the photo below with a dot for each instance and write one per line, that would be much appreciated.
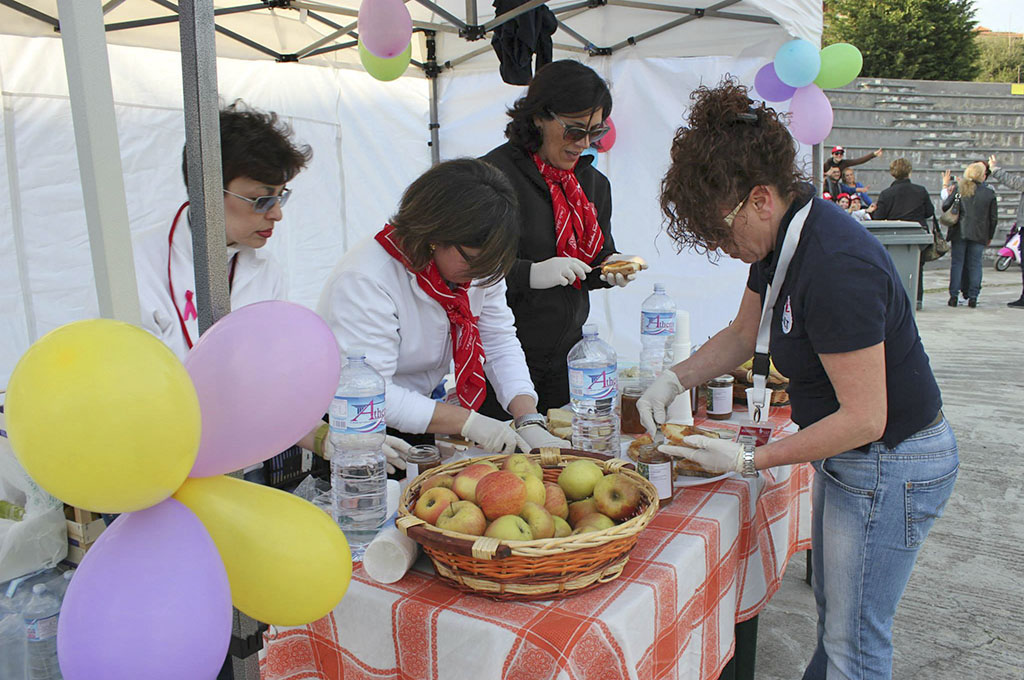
(562, 528)
(542, 524)
(521, 465)
(432, 503)
(534, 489)
(580, 509)
(578, 478)
(500, 493)
(445, 481)
(463, 517)
(465, 482)
(595, 521)
(617, 496)
(554, 500)
(509, 528)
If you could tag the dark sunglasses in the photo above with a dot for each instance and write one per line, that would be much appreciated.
(575, 133)
(264, 203)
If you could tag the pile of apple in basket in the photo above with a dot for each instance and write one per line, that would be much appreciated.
(528, 525)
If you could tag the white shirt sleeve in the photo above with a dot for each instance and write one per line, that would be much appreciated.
(363, 315)
(505, 365)
(943, 193)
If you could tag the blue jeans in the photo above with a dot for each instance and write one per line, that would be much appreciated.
(963, 255)
(871, 513)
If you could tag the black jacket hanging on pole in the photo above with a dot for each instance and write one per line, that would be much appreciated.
(516, 41)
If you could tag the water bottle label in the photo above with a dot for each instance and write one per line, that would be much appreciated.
(363, 415)
(594, 383)
(42, 629)
(658, 323)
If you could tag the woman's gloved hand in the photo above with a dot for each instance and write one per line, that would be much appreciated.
(714, 455)
(492, 435)
(621, 280)
(557, 271)
(653, 404)
(393, 448)
(537, 437)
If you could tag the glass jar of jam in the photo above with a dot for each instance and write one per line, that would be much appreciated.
(630, 417)
(719, 397)
(659, 470)
(421, 458)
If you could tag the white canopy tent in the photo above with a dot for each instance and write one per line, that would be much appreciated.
(370, 139)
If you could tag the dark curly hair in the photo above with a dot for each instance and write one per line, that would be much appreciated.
(256, 144)
(729, 146)
(561, 87)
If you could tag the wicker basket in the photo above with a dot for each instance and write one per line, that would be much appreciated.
(530, 570)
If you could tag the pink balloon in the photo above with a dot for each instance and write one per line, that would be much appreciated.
(385, 27)
(810, 115)
(265, 374)
(150, 600)
(606, 142)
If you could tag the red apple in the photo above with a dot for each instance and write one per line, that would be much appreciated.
(463, 517)
(509, 528)
(595, 521)
(581, 509)
(554, 500)
(617, 496)
(500, 493)
(432, 503)
(562, 528)
(522, 466)
(444, 481)
(578, 478)
(466, 481)
(542, 524)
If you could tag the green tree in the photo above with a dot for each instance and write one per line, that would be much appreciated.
(1001, 60)
(916, 39)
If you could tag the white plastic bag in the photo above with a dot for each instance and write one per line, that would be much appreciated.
(39, 540)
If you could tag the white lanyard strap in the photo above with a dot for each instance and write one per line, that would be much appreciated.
(762, 358)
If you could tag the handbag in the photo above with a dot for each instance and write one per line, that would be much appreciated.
(951, 217)
(939, 246)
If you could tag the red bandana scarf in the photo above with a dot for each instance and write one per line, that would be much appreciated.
(467, 349)
(577, 232)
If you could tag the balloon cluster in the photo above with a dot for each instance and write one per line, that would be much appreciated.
(385, 38)
(800, 71)
(105, 417)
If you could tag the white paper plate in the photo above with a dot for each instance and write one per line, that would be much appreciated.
(682, 481)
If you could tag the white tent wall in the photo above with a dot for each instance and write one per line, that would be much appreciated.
(369, 141)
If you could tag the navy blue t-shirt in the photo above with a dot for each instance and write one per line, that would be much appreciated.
(843, 293)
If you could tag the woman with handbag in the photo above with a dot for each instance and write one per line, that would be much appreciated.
(976, 225)
(1014, 182)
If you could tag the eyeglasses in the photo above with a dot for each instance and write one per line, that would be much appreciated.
(264, 203)
(838, 153)
(574, 133)
(735, 211)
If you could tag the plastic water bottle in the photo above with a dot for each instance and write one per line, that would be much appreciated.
(358, 466)
(40, 615)
(13, 641)
(593, 394)
(657, 334)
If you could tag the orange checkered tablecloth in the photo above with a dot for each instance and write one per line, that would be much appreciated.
(710, 559)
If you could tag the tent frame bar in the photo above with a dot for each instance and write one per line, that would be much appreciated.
(31, 12)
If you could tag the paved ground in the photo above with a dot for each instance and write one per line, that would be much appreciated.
(961, 616)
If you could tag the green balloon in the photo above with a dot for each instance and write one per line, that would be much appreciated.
(840, 64)
(385, 69)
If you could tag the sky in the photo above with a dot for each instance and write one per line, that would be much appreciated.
(1000, 15)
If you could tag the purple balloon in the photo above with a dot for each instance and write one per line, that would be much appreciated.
(265, 374)
(385, 27)
(150, 600)
(810, 115)
(768, 85)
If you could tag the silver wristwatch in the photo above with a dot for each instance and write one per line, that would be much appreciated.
(531, 419)
(748, 461)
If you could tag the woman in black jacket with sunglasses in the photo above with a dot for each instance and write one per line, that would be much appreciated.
(566, 208)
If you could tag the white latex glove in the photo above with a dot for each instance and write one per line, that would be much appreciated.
(537, 437)
(714, 455)
(654, 402)
(557, 271)
(492, 435)
(393, 449)
(621, 280)
(678, 411)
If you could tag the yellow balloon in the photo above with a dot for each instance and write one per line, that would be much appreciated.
(103, 416)
(287, 561)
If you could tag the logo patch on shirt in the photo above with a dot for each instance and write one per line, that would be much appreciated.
(787, 317)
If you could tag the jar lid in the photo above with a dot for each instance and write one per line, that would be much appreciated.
(722, 381)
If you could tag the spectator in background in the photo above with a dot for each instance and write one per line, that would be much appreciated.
(839, 158)
(856, 212)
(1014, 182)
(833, 185)
(843, 200)
(852, 186)
(949, 188)
(970, 235)
(904, 200)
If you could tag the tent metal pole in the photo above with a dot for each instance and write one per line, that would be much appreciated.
(587, 44)
(816, 163)
(471, 16)
(698, 13)
(571, 8)
(443, 13)
(154, 21)
(31, 12)
(99, 158)
(432, 72)
(676, 9)
(111, 4)
(466, 57)
(310, 7)
(326, 39)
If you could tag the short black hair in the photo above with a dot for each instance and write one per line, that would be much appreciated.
(256, 144)
(564, 86)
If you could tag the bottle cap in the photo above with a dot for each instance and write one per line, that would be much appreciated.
(589, 329)
(39, 588)
(355, 353)
(659, 288)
